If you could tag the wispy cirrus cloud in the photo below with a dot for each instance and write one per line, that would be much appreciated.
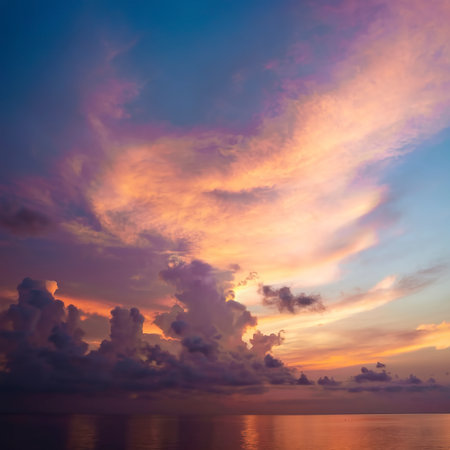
(356, 346)
(294, 184)
(299, 184)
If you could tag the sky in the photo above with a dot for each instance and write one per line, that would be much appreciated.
(245, 203)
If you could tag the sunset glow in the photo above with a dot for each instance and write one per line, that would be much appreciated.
(238, 201)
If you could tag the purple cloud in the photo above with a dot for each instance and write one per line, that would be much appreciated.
(304, 380)
(21, 220)
(368, 375)
(43, 347)
(325, 381)
(284, 300)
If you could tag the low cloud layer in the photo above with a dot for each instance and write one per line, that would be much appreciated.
(370, 375)
(43, 349)
(381, 381)
(42, 345)
(325, 381)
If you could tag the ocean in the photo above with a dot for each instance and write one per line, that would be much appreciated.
(227, 432)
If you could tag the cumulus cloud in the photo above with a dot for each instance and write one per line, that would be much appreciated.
(409, 384)
(270, 361)
(304, 380)
(263, 343)
(325, 381)
(370, 375)
(42, 346)
(379, 382)
(41, 342)
(284, 300)
(126, 333)
(206, 312)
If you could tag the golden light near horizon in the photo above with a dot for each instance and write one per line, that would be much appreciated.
(235, 208)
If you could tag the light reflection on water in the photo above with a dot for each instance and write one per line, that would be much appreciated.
(150, 432)
(81, 433)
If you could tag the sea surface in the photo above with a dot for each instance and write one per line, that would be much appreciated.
(230, 432)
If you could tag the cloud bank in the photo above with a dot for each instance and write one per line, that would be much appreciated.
(41, 342)
(43, 351)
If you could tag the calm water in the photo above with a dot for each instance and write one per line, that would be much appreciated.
(141, 432)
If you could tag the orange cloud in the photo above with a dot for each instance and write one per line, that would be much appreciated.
(103, 307)
(371, 350)
(271, 200)
(429, 335)
(311, 342)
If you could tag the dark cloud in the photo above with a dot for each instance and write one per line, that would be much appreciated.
(325, 381)
(380, 365)
(304, 381)
(41, 342)
(42, 346)
(368, 375)
(381, 382)
(270, 361)
(21, 220)
(284, 300)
